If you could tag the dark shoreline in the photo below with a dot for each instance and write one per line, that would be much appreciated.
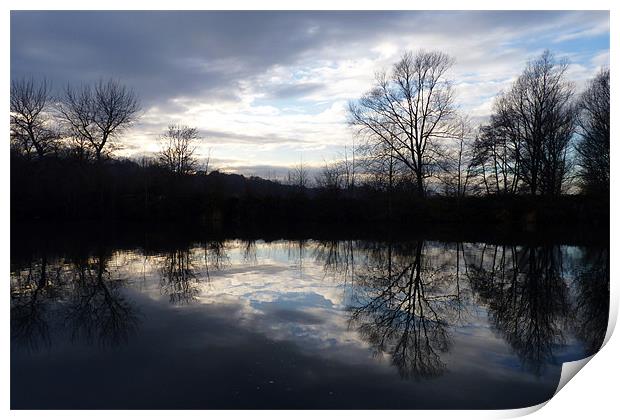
(74, 202)
(155, 237)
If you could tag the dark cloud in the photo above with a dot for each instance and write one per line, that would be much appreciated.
(168, 54)
(227, 71)
(163, 54)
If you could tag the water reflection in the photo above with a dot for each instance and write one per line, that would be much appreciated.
(591, 311)
(526, 295)
(403, 306)
(214, 256)
(417, 308)
(32, 294)
(97, 310)
(79, 296)
(178, 280)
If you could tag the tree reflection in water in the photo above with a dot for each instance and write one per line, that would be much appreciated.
(97, 308)
(337, 257)
(33, 291)
(406, 304)
(406, 300)
(527, 299)
(80, 295)
(215, 256)
(178, 279)
(592, 298)
(403, 306)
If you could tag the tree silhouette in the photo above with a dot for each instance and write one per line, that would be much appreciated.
(99, 113)
(539, 114)
(409, 110)
(31, 125)
(593, 121)
(178, 149)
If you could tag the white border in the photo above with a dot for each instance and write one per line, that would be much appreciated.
(593, 394)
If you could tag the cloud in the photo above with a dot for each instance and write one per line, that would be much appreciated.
(600, 29)
(271, 87)
(293, 90)
(224, 136)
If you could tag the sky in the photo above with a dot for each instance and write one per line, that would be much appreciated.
(269, 89)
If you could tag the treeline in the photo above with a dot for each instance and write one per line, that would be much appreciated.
(65, 189)
(417, 158)
(541, 139)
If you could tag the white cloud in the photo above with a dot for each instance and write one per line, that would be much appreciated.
(275, 97)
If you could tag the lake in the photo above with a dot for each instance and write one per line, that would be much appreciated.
(300, 323)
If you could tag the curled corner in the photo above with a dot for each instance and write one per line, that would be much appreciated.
(569, 370)
(611, 322)
(522, 412)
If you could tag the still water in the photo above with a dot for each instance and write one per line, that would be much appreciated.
(302, 323)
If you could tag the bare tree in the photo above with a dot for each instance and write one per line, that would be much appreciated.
(458, 159)
(207, 162)
(378, 162)
(330, 177)
(98, 113)
(409, 110)
(79, 148)
(31, 128)
(593, 121)
(540, 113)
(497, 149)
(340, 174)
(298, 176)
(348, 167)
(178, 148)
